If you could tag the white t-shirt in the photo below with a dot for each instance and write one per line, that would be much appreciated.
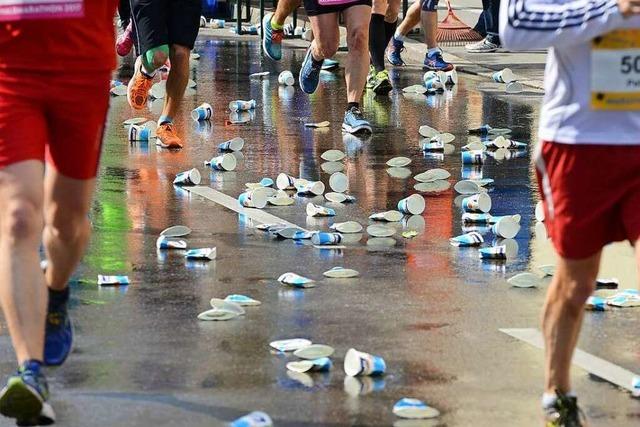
(570, 113)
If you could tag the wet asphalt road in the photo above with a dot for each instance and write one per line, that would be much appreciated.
(431, 310)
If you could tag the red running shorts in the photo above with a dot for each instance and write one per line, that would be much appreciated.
(54, 117)
(591, 195)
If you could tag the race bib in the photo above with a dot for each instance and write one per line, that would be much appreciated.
(615, 71)
(18, 10)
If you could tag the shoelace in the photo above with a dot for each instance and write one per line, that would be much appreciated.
(357, 113)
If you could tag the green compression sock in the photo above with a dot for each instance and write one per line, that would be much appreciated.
(147, 58)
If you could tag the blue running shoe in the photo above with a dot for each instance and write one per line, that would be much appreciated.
(272, 40)
(58, 340)
(354, 122)
(394, 52)
(25, 397)
(435, 62)
(309, 76)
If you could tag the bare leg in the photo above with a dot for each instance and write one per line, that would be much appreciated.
(326, 35)
(67, 228)
(284, 9)
(23, 293)
(572, 284)
(412, 19)
(393, 10)
(177, 80)
(357, 19)
(430, 27)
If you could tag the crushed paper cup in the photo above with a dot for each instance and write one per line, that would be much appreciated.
(289, 233)
(432, 175)
(434, 84)
(253, 199)
(476, 218)
(187, 178)
(388, 216)
(315, 188)
(499, 142)
(292, 344)
(119, 90)
(254, 419)
(203, 254)
(482, 182)
(515, 218)
(452, 77)
(477, 203)
(143, 132)
(221, 304)
(494, 252)
(540, 211)
(419, 89)
(322, 364)
(317, 125)
(216, 314)
(318, 211)
(104, 280)
(524, 280)
(467, 187)
(332, 167)
(476, 157)
(429, 75)
(412, 205)
(398, 162)
(433, 187)
(514, 87)
(260, 74)
(506, 227)
(486, 129)
(285, 182)
(220, 23)
(380, 231)
(445, 137)
(281, 200)
(333, 155)
(434, 144)
(347, 227)
(296, 280)
(339, 198)
(595, 303)
(164, 242)
(339, 182)
(608, 283)
(203, 112)
(240, 105)
(323, 238)
(626, 298)
(411, 408)
(469, 239)
(359, 363)
(314, 351)
(134, 121)
(399, 173)
(503, 76)
(286, 78)
(303, 235)
(226, 162)
(242, 300)
(511, 246)
(234, 144)
(427, 131)
(341, 273)
(176, 231)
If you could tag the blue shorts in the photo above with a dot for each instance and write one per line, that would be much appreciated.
(429, 5)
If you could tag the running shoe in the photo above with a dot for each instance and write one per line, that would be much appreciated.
(435, 62)
(166, 136)
(394, 52)
(483, 46)
(371, 77)
(309, 76)
(381, 84)
(272, 40)
(564, 413)
(138, 88)
(26, 396)
(354, 121)
(58, 340)
(124, 43)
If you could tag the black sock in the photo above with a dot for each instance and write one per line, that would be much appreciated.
(351, 105)
(376, 41)
(317, 63)
(58, 298)
(389, 31)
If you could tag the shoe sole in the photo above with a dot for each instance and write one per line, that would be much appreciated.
(383, 88)
(20, 401)
(358, 129)
(264, 39)
(136, 69)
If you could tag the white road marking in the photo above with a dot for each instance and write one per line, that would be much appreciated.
(590, 363)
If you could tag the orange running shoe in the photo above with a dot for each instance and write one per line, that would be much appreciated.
(166, 136)
(138, 88)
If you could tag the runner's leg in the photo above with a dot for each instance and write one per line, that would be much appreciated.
(326, 35)
(357, 19)
(410, 21)
(177, 81)
(377, 34)
(283, 10)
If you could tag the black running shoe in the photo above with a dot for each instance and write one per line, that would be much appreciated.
(564, 413)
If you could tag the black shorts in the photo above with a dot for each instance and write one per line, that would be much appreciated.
(160, 22)
(313, 8)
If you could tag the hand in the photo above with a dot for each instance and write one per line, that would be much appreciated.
(629, 7)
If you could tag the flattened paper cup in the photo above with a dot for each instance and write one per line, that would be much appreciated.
(292, 344)
(380, 231)
(399, 173)
(341, 273)
(412, 205)
(316, 210)
(503, 76)
(427, 131)
(347, 227)
(524, 280)
(253, 199)
(467, 187)
(314, 351)
(506, 228)
(388, 216)
(332, 167)
(234, 144)
(226, 162)
(414, 409)
(432, 175)
(432, 187)
(226, 305)
(315, 188)
(452, 78)
(187, 178)
(359, 363)
(286, 78)
(322, 364)
(203, 112)
(242, 300)
(398, 162)
(285, 182)
(478, 203)
(469, 239)
(339, 182)
(332, 155)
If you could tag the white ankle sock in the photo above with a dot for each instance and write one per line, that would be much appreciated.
(399, 36)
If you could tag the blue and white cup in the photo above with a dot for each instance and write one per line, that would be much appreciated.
(495, 252)
(186, 178)
(142, 132)
(475, 218)
(469, 239)
(506, 228)
(430, 75)
(217, 23)
(359, 363)
(595, 303)
(240, 105)
(285, 182)
(504, 76)
(254, 419)
(253, 199)
(475, 157)
(478, 203)
(451, 77)
(412, 205)
(234, 144)
(315, 188)
(434, 85)
(226, 162)
(323, 238)
(286, 78)
(203, 112)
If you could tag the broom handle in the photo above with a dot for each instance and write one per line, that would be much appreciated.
(449, 6)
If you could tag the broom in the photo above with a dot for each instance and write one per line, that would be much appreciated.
(453, 32)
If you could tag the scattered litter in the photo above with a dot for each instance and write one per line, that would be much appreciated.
(332, 167)
(595, 303)
(176, 231)
(112, 280)
(380, 231)
(514, 87)
(143, 132)
(118, 90)
(253, 199)
(427, 131)
(134, 121)
(467, 187)
(240, 105)
(339, 182)
(504, 76)
(635, 384)
(165, 242)
(398, 162)
(524, 280)
(611, 283)
(540, 211)
(285, 182)
(434, 144)
(187, 178)
(438, 186)
(626, 298)
(158, 90)
(409, 234)
(226, 162)
(202, 254)
(477, 203)
(452, 78)
(469, 239)
(339, 198)
(475, 157)
(289, 233)
(486, 129)
(219, 23)
(303, 235)
(234, 144)
(495, 252)
(324, 124)
(388, 216)
(414, 409)
(474, 146)
(412, 205)
(295, 280)
(203, 112)
(360, 363)
(476, 218)
(239, 117)
(399, 173)
(324, 239)
(286, 78)
(347, 227)
(341, 273)
(260, 74)
(254, 419)
(419, 89)
(194, 56)
(281, 199)
(514, 218)
(314, 351)
(319, 211)
(432, 175)
(432, 82)
(242, 300)
(216, 314)
(333, 155)
(506, 228)
(547, 269)
(292, 344)
(322, 364)
(315, 188)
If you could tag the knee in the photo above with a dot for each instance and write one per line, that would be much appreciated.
(359, 39)
(327, 48)
(21, 220)
(572, 293)
(67, 225)
(159, 58)
(180, 55)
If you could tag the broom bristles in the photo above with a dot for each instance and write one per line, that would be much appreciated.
(453, 31)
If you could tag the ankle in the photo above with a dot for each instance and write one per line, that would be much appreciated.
(58, 298)
(352, 105)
